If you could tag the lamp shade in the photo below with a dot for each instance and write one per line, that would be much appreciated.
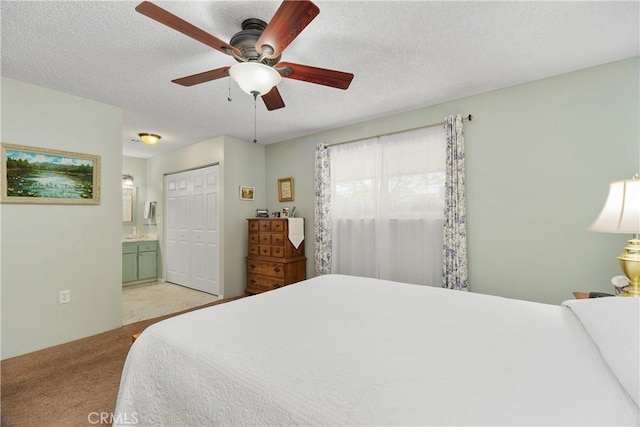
(621, 211)
(149, 138)
(254, 77)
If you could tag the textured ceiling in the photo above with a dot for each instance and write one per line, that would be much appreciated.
(405, 55)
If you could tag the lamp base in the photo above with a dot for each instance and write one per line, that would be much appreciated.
(630, 264)
(632, 290)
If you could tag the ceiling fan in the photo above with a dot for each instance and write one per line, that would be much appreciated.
(259, 47)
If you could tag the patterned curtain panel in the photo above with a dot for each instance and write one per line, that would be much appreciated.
(322, 211)
(454, 256)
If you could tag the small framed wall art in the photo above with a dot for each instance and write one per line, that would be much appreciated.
(46, 176)
(285, 190)
(246, 193)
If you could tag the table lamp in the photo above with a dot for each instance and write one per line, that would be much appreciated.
(621, 214)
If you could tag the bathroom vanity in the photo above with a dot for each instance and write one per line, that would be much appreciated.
(139, 261)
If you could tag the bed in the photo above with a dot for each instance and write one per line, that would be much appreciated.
(342, 350)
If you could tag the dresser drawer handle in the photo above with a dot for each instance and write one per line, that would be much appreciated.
(253, 281)
(276, 285)
(276, 269)
(252, 266)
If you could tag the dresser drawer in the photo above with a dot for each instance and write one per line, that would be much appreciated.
(277, 251)
(264, 250)
(278, 226)
(257, 283)
(254, 238)
(264, 225)
(277, 239)
(254, 249)
(265, 238)
(266, 268)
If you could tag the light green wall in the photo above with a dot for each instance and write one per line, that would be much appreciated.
(540, 157)
(241, 163)
(245, 165)
(48, 248)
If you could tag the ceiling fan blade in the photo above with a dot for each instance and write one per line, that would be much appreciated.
(167, 18)
(321, 76)
(273, 100)
(206, 76)
(289, 20)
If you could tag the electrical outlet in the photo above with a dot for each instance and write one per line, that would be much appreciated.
(64, 297)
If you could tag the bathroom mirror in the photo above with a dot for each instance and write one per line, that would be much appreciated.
(127, 205)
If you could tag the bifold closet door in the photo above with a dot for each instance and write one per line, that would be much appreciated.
(205, 233)
(177, 229)
(192, 229)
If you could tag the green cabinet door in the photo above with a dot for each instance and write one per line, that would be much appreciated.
(129, 267)
(147, 265)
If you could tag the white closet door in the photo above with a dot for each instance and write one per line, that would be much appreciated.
(205, 233)
(193, 229)
(178, 228)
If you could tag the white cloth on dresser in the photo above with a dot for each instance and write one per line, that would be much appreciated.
(296, 231)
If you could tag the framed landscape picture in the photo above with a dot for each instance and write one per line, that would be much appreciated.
(45, 176)
(246, 193)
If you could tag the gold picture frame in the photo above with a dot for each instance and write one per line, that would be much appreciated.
(32, 175)
(285, 190)
(246, 193)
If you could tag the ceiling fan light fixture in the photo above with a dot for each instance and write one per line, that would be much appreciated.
(149, 138)
(254, 77)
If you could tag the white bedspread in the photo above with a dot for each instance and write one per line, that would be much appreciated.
(340, 350)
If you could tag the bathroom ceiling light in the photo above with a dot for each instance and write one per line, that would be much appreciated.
(149, 138)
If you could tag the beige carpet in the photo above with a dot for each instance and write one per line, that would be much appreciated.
(71, 384)
(154, 299)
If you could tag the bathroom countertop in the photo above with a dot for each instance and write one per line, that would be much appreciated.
(133, 238)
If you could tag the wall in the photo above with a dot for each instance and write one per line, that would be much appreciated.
(241, 163)
(48, 248)
(245, 165)
(540, 157)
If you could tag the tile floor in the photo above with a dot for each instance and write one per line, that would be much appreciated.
(153, 299)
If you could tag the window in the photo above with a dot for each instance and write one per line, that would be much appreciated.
(387, 204)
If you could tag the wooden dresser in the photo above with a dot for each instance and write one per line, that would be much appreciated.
(273, 261)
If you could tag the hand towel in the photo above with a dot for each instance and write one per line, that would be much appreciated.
(147, 210)
(296, 231)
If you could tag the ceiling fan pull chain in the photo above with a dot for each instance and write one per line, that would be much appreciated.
(229, 97)
(255, 116)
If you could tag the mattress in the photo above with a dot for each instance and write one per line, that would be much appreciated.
(342, 350)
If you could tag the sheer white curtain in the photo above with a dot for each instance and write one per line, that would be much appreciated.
(387, 204)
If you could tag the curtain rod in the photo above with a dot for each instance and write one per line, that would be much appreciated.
(468, 117)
